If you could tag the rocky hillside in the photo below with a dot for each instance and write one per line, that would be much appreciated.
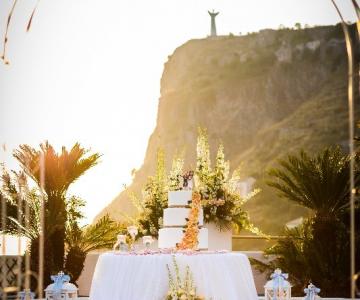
(262, 95)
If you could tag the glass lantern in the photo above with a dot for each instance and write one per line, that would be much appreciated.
(61, 289)
(121, 242)
(133, 231)
(278, 288)
(311, 292)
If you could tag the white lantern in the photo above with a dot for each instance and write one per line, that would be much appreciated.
(278, 288)
(311, 292)
(61, 289)
(121, 242)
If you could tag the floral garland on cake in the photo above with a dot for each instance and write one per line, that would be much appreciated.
(190, 238)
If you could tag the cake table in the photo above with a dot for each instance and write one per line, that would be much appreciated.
(217, 275)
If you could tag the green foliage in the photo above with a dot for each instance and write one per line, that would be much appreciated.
(80, 241)
(154, 199)
(61, 212)
(61, 169)
(322, 260)
(101, 235)
(74, 263)
(14, 191)
(320, 183)
(74, 206)
(319, 249)
(297, 26)
(221, 201)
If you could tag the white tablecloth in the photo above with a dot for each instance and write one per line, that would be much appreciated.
(217, 276)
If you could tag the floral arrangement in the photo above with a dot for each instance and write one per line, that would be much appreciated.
(190, 238)
(175, 180)
(221, 201)
(181, 289)
(154, 200)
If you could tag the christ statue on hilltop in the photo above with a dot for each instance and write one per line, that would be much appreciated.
(213, 24)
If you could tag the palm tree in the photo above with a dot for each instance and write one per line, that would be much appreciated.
(81, 241)
(61, 170)
(320, 247)
(14, 190)
(22, 205)
(320, 183)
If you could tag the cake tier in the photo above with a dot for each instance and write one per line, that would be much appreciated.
(169, 237)
(179, 198)
(176, 216)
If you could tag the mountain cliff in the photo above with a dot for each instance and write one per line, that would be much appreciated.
(262, 95)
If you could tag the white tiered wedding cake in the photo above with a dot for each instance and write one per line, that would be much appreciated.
(175, 220)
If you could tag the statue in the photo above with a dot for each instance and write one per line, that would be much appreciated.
(213, 25)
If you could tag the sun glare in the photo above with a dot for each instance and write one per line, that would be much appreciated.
(90, 71)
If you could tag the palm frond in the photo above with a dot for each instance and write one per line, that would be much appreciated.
(320, 183)
(101, 235)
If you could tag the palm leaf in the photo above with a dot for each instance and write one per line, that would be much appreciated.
(320, 183)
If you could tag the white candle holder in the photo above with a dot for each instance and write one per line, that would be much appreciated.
(147, 241)
(133, 231)
(121, 243)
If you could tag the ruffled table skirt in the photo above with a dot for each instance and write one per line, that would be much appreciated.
(217, 276)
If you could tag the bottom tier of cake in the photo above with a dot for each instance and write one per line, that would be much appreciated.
(169, 237)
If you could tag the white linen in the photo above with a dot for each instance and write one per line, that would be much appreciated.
(217, 276)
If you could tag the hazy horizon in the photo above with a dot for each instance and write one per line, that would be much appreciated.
(86, 67)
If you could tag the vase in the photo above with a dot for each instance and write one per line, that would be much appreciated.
(219, 239)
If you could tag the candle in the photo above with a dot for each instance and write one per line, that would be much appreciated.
(147, 240)
(133, 231)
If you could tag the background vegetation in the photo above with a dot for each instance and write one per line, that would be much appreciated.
(319, 249)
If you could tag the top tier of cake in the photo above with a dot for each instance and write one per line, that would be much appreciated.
(179, 198)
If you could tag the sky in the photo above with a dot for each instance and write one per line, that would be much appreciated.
(89, 71)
